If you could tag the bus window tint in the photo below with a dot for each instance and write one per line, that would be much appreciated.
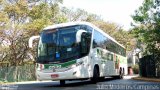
(99, 40)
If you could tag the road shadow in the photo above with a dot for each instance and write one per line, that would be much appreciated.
(70, 85)
(79, 83)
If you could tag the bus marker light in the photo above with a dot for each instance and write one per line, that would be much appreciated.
(41, 67)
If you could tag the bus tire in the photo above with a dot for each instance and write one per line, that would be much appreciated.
(120, 76)
(62, 82)
(95, 77)
(101, 78)
(120, 73)
(117, 77)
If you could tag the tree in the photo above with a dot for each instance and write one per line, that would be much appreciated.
(14, 15)
(44, 14)
(146, 30)
(20, 19)
(79, 15)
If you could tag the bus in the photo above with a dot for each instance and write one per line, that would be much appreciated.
(78, 50)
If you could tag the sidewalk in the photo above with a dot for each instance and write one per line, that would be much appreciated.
(24, 82)
(147, 79)
(130, 76)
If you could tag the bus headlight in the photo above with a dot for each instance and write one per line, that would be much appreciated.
(79, 63)
(75, 65)
(40, 67)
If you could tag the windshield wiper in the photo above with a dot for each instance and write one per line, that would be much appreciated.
(54, 62)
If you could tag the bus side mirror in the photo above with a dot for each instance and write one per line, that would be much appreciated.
(84, 38)
(31, 40)
(79, 35)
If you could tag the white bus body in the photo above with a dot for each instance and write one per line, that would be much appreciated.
(61, 54)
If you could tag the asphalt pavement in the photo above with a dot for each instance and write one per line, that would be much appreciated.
(108, 84)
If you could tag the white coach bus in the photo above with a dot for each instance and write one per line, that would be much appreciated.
(78, 50)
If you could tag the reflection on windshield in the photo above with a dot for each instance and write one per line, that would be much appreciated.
(58, 45)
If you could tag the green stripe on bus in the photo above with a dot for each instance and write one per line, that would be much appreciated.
(66, 64)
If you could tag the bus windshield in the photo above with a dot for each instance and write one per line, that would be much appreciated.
(58, 45)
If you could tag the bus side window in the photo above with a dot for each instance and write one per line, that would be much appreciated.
(96, 40)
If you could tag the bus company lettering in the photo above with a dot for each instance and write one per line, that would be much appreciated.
(55, 67)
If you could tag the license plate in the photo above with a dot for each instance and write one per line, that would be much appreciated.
(54, 75)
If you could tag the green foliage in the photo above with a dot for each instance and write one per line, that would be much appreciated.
(37, 11)
(135, 69)
(17, 11)
(147, 31)
(3, 20)
(20, 19)
(79, 15)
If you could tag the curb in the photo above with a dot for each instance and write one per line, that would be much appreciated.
(130, 76)
(147, 79)
(11, 83)
(25, 82)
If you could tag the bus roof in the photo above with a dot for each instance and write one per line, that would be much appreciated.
(82, 23)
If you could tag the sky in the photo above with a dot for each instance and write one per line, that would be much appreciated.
(117, 11)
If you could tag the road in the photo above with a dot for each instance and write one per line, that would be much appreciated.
(107, 84)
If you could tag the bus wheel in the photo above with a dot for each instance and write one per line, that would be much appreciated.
(62, 82)
(120, 73)
(95, 77)
(101, 78)
(120, 76)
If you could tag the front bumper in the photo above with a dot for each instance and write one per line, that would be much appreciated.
(74, 73)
